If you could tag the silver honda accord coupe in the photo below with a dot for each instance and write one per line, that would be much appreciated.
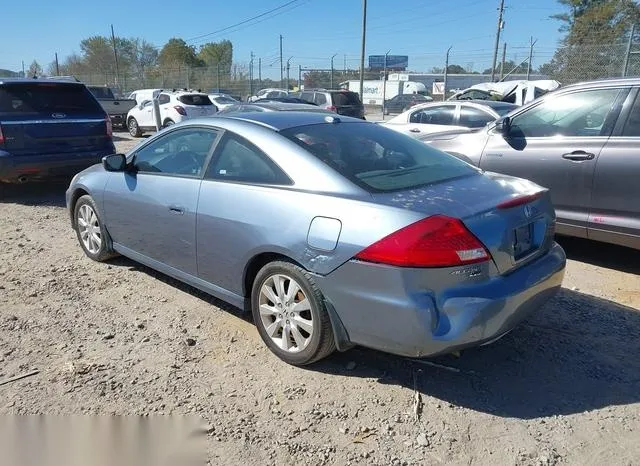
(332, 231)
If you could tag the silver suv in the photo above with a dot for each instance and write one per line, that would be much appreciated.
(582, 142)
(341, 101)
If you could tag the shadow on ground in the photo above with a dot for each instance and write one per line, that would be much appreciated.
(601, 254)
(578, 353)
(35, 194)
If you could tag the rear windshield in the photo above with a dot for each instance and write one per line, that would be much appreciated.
(376, 158)
(345, 98)
(101, 92)
(47, 98)
(195, 99)
(225, 100)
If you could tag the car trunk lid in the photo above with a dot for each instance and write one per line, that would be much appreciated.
(513, 218)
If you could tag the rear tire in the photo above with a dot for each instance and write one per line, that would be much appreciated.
(134, 129)
(92, 235)
(168, 123)
(289, 311)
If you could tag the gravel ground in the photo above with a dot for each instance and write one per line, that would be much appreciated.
(119, 338)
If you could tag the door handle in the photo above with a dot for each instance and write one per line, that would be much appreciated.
(414, 130)
(174, 209)
(578, 155)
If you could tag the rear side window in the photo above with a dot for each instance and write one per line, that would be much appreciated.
(195, 99)
(47, 98)
(345, 98)
(375, 158)
(307, 96)
(163, 99)
(441, 115)
(320, 99)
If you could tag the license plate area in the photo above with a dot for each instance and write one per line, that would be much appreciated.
(523, 241)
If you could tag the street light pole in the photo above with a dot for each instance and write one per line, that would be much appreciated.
(384, 84)
(362, 51)
(288, 66)
(334, 56)
(446, 72)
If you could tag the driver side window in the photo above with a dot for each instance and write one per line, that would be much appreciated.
(582, 113)
(181, 152)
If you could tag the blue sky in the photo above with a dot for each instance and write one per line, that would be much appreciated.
(313, 30)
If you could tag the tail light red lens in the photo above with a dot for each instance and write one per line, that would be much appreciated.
(332, 108)
(437, 241)
(180, 110)
(520, 200)
(1, 136)
(107, 121)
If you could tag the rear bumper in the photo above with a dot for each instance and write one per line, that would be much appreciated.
(16, 169)
(382, 308)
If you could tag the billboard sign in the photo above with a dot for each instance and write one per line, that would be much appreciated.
(394, 62)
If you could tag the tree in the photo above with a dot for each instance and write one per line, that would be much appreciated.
(138, 56)
(34, 69)
(217, 53)
(594, 45)
(177, 53)
(455, 69)
(97, 54)
(510, 67)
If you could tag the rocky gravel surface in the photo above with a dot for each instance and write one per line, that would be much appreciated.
(119, 338)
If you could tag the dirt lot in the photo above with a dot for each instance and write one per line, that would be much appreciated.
(118, 338)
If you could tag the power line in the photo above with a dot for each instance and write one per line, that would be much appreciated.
(284, 5)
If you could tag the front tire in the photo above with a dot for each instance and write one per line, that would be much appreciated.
(168, 123)
(289, 312)
(134, 129)
(92, 235)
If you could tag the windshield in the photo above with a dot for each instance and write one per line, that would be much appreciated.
(47, 98)
(376, 158)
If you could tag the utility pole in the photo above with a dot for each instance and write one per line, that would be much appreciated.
(260, 71)
(115, 54)
(23, 75)
(625, 67)
(362, 51)
(384, 83)
(57, 65)
(446, 73)
(281, 64)
(251, 74)
(300, 77)
(504, 58)
(217, 75)
(288, 66)
(331, 85)
(345, 63)
(529, 65)
(495, 51)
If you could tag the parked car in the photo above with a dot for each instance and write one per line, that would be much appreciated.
(49, 128)
(288, 100)
(144, 94)
(403, 102)
(268, 93)
(272, 106)
(225, 92)
(439, 116)
(175, 106)
(222, 101)
(341, 101)
(583, 143)
(332, 231)
(117, 109)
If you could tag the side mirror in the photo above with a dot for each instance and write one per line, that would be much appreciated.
(114, 163)
(503, 126)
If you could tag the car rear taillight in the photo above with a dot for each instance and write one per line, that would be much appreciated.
(107, 120)
(180, 110)
(332, 108)
(437, 241)
(519, 200)
(1, 137)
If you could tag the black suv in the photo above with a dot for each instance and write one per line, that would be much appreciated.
(50, 128)
(342, 102)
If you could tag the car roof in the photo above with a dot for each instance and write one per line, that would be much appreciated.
(283, 120)
(603, 82)
(38, 80)
(281, 106)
